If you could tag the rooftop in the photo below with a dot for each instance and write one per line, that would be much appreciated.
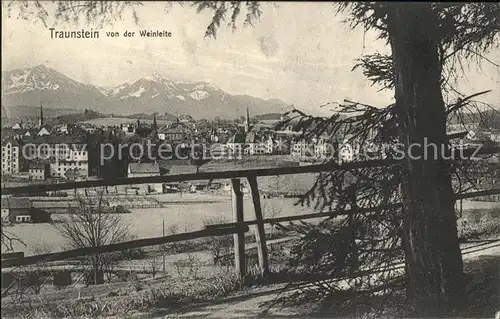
(55, 139)
(15, 202)
(143, 168)
(37, 165)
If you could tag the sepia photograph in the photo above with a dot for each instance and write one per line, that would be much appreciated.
(250, 159)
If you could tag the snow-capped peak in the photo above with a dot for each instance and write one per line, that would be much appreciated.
(199, 95)
(39, 77)
(206, 86)
(155, 77)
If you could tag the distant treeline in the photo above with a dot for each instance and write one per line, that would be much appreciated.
(77, 117)
(268, 116)
(145, 116)
(486, 119)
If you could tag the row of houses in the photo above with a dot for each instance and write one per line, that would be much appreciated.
(45, 157)
(40, 149)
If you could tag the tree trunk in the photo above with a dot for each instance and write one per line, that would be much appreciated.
(434, 268)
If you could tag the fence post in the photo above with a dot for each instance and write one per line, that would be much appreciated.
(260, 235)
(239, 238)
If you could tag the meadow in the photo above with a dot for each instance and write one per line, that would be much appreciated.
(146, 223)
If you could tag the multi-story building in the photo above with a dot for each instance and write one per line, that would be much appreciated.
(235, 144)
(61, 152)
(298, 148)
(74, 158)
(10, 157)
(321, 149)
(39, 171)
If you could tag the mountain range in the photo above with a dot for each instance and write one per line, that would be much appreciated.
(41, 85)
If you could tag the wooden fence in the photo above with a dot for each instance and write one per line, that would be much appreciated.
(239, 225)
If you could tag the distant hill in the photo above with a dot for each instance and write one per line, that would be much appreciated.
(40, 84)
(14, 114)
(76, 117)
(269, 116)
(145, 116)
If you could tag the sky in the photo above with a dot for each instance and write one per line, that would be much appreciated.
(299, 52)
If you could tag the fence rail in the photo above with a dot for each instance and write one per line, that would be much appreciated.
(345, 212)
(30, 260)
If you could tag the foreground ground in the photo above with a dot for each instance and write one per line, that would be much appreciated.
(482, 268)
(190, 293)
(221, 296)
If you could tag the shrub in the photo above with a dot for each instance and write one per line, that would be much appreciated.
(221, 245)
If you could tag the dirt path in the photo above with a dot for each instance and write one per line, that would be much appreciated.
(249, 303)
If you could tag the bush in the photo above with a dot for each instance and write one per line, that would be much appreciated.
(480, 224)
(221, 245)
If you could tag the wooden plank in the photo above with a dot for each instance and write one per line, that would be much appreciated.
(30, 260)
(239, 238)
(487, 192)
(198, 176)
(13, 255)
(276, 220)
(260, 235)
(307, 216)
(457, 135)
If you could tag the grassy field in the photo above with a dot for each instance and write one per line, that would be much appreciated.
(145, 223)
(183, 216)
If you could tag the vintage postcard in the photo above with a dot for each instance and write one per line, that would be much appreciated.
(229, 159)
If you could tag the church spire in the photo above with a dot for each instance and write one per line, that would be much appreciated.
(155, 125)
(40, 121)
(247, 122)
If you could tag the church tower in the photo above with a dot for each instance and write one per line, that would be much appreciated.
(247, 122)
(40, 121)
(155, 125)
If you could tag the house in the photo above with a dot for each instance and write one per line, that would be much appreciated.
(145, 170)
(70, 158)
(17, 209)
(10, 156)
(182, 169)
(177, 132)
(251, 143)
(20, 210)
(39, 171)
(174, 167)
(44, 130)
(298, 148)
(63, 128)
(11, 133)
(161, 133)
(235, 144)
(218, 151)
(63, 152)
(128, 129)
(76, 173)
(88, 127)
